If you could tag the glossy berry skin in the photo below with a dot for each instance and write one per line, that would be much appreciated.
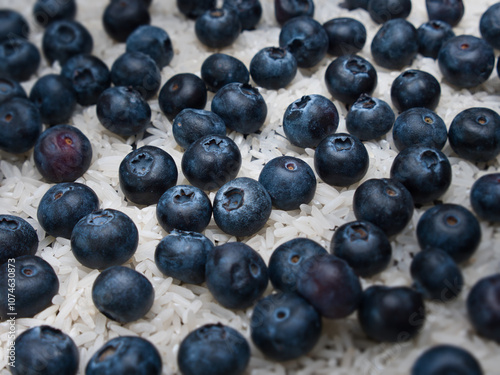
(236, 275)
(385, 203)
(47, 11)
(287, 9)
(385, 10)
(211, 161)
(242, 207)
(308, 120)
(47, 347)
(152, 41)
(63, 205)
(443, 358)
(341, 159)
(369, 118)
(13, 24)
(249, 12)
(17, 238)
(449, 227)
(449, 11)
(219, 69)
(205, 351)
(121, 18)
(489, 27)
(391, 314)
(286, 261)
(273, 68)
(146, 173)
(123, 355)
(431, 36)
(241, 107)
(19, 59)
(218, 28)
(415, 88)
(9, 89)
(364, 246)
(192, 124)
(346, 36)
(485, 197)
(466, 61)
(349, 76)
(104, 238)
(289, 181)
(184, 207)
(195, 8)
(62, 153)
(330, 285)
(284, 326)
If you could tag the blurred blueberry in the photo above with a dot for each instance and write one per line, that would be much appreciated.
(47, 11)
(152, 41)
(287, 9)
(192, 124)
(443, 358)
(9, 89)
(415, 88)
(346, 36)
(354, 4)
(431, 36)
(384, 10)
(449, 11)
(17, 238)
(219, 69)
(485, 197)
(369, 118)
(19, 59)
(273, 68)
(195, 8)
(249, 12)
(121, 18)
(489, 25)
(218, 27)
(13, 24)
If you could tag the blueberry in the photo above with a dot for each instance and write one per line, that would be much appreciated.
(17, 238)
(306, 39)
(241, 107)
(33, 286)
(363, 245)
(19, 59)
(284, 326)
(308, 120)
(121, 18)
(415, 88)
(441, 359)
(195, 8)
(123, 111)
(349, 76)
(249, 12)
(184, 207)
(45, 350)
(449, 11)
(385, 203)
(384, 10)
(63, 205)
(391, 314)
(354, 4)
(124, 355)
(346, 36)
(449, 227)
(146, 173)
(489, 26)
(273, 68)
(219, 69)
(242, 207)
(183, 90)
(13, 24)
(330, 285)
(431, 36)
(485, 197)
(341, 160)
(466, 61)
(236, 275)
(289, 181)
(218, 27)
(287, 9)
(286, 261)
(104, 238)
(9, 89)
(419, 127)
(211, 161)
(369, 118)
(47, 11)
(213, 349)
(152, 41)
(395, 44)
(62, 153)
(192, 124)
(474, 134)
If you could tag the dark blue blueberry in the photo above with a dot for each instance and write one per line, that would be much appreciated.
(211, 161)
(349, 76)
(63, 205)
(121, 18)
(62, 153)
(431, 36)
(55, 98)
(287, 9)
(489, 25)
(184, 207)
(220, 69)
(391, 314)
(12, 25)
(123, 111)
(289, 181)
(273, 68)
(286, 261)
(17, 238)
(308, 120)
(385, 203)
(183, 90)
(346, 36)
(125, 355)
(466, 61)
(384, 10)
(31, 281)
(364, 246)
(195, 8)
(395, 44)
(474, 134)
(241, 107)
(242, 207)
(236, 275)
(9, 89)
(369, 118)
(45, 350)
(341, 159)
(19, 59)
(249, 12)
(183, 255)
(449, 11)
(47, 11)
(330, 285)
(213, 349)
(354, 4)
(152, 41)
(20, 125)
(485, 197)
(306, 39)
(284, 326)
(419, 127)
(192, 124)
(415, 88)
(443, 359)
(146, 173)
(424, 171)
(218, 27)
(104, 238)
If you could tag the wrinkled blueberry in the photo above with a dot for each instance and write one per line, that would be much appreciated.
(9, 89)
(415, 88)
(192, 124)
(384, 10)
(441, 359)
(121, 18)
(152, 41)
(220, 69)
(369, 118)
(47, 11)
(346, 36)
(17, 238)
(287, 9)
(195, 8)
(431, 37)
(13, 24)
(249, 12)
(273, 68)
(489, 26)
(19, 59)
(485, 197)
(218, 27)
(449, 11)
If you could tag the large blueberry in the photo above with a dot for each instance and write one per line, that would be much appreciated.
(431, 36)
(47, 11)
(17, 238)
(369, 118)
(287, 9)
(415, 88)
(218, 27)
(219, 69)
(192, 124)
(485, 197)
(152, 41)
(249, 12)
(346, 36)
(273, 68)
(489, 25)
(121, 18)
(9, 89)
(384, 10)
(19, 59)
(449, 11)
(445, 358)
(13, 24)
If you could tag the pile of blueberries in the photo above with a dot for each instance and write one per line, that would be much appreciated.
(310, 282)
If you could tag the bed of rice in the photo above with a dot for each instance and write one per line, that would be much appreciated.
(180, 308)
